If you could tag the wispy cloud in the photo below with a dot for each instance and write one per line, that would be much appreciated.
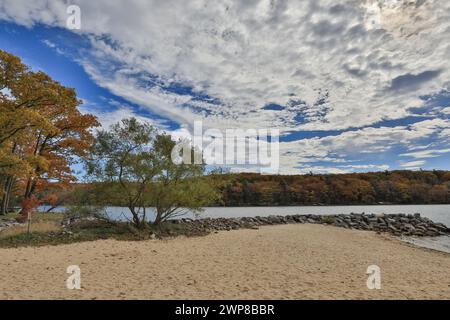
(328, 66)
(426, 153)
(413, 164)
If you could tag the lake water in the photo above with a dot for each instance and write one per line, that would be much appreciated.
(437, 213)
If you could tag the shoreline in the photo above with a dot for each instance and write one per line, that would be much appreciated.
(437, 213)
(410, 228)
(437, 244)
(415, 230)
(292, 261)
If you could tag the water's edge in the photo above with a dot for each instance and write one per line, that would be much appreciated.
(441, 244)
(437, 213)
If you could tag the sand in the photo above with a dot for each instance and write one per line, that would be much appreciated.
(277, 262)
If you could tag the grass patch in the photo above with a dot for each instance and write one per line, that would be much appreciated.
(46, 229)
(36, 217)
(9, 216)
(36, 226)
(57, 217)
(34, 239)
(40, 223)
(327, 219)
(83, 231)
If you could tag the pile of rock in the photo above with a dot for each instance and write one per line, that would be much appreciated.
(67, 222)
(396, 224)
(8, 224)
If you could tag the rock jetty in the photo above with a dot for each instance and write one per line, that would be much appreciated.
(396, 224)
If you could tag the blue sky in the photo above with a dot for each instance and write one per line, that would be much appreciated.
(351, 88)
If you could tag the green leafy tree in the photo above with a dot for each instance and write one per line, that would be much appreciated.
(132, 161)
(180, 187)
(124, 162)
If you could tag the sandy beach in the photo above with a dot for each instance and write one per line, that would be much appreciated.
(277, 262)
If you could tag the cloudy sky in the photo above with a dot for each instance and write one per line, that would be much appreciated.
(352, 85)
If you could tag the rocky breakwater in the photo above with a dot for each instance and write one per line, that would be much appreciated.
(396, 224)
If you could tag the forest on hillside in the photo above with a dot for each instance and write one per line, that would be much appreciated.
(394, 187)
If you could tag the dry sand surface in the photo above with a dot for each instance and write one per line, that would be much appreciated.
(278, 262)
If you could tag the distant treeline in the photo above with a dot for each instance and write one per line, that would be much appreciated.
(395, 187)
(246, 189)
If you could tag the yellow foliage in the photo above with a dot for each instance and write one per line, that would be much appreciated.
(41, 128)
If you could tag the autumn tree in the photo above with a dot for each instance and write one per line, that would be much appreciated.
(23, 95)
(57, 149)
(399, 187)
(41, 130)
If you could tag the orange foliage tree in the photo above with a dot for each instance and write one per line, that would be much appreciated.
(42, 132)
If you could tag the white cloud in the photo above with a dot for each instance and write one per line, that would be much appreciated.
(248, 54)
(49, 44)
(426, 153)
(367, 167)
(413, 164)
(108, 118)
(342, 70)
(445, 134)
(370, 141)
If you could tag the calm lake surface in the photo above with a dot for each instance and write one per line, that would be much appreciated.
(437, 213)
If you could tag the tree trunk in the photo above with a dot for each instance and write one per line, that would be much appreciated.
(9, 191)
(158, 218)
(27, 193)
(51, 209)
(31, 183)
(4, 205)
(9, 182)
(6, 195)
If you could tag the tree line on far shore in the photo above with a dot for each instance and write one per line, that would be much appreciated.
(252, 189)
(389, 187)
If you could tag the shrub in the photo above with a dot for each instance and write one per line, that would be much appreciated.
(327, 219)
